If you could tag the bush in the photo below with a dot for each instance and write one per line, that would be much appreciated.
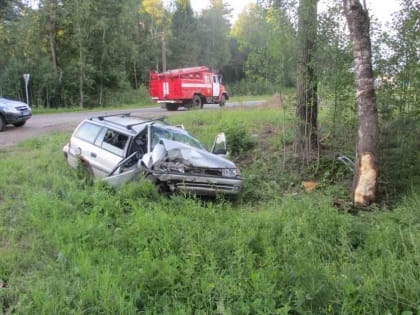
(252, 87)
(239, 140)
(127, 96)
(399, 156)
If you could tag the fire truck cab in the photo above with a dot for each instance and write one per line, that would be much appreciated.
(188, 87)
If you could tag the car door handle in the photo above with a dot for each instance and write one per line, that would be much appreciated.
(93, 155)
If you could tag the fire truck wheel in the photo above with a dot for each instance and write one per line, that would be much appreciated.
(222, 101)
(197, 102)
(171, 107)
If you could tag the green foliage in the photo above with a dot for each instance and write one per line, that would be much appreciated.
(397, 95)
(102, 51)
(267, 39)
(213, 35)
(253, 87)
(183, 43)
(90, 54)
(239, 140)
(400, 147)
(73, 247)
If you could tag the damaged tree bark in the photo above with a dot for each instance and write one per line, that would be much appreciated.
(366, 171)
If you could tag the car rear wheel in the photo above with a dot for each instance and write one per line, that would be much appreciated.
(2, 123)
(171, 107)
(197, 101)
(19, 124)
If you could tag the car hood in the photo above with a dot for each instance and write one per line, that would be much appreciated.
(190, 156)
(10, 103)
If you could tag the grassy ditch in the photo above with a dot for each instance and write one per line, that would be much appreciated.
(71, 246)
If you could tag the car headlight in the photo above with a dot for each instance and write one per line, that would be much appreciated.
(230, 172)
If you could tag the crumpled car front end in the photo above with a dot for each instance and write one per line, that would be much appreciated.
(184, 168)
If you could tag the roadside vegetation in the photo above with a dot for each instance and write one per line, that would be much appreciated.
(144, 103)
(292, 242)
(70, 245)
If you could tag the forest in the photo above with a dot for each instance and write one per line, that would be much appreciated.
(96, 53)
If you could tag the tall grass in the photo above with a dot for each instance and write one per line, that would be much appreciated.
(70, 246)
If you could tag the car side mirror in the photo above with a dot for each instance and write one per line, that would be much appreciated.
(219, 145)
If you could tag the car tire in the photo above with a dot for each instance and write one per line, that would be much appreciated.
(20, 124)
(171, 107)
(197, 101)
(2, 123)
(222, 101)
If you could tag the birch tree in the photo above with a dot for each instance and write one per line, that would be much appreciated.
(366, 170)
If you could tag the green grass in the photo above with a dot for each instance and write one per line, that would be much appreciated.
(70, 246)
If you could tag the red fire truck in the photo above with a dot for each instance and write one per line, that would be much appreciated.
(188, 87)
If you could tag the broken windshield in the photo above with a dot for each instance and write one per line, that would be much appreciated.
(161, 133)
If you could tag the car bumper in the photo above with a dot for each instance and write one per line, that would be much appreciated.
(13, 118)
(201, 185)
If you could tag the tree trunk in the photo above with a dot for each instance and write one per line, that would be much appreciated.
(307, 101)
(81, 59)
(81, 75)
(136, 84)
(51, 35)
(366, 171)
(101, 67)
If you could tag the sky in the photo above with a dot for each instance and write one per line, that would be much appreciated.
(381, 9)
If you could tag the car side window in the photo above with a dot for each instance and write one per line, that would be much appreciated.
(88, 132)
(114, 142)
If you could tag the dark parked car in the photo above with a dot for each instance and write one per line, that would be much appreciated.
(13, 113)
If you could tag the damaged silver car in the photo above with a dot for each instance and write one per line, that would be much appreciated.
(118, 148)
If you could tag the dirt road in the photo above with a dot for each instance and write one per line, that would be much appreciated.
(42, 124)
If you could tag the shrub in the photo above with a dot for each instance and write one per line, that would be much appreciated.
(239, 140)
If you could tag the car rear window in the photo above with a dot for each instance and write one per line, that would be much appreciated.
(88, 132)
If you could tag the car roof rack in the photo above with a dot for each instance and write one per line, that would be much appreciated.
(102, 117)
(161, 119)
(130, 126)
